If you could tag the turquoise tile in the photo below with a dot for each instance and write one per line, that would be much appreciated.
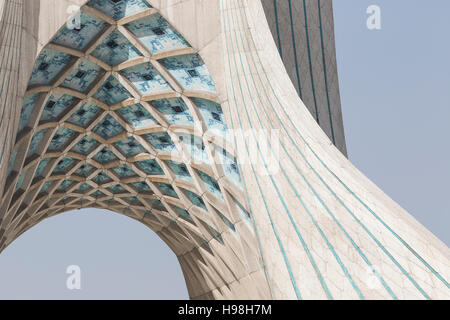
(85, 115)
(146, 79)
(161, 141)
(48, 65)
(116, 49)
(82, 77)
(156, 34)
(119, 9)
(61, 139)
(57, 105)
(150, 167)
(79, 38)
(190, 71)
(137, 116)
(105, 156)
(174, 110)
(129, 147)
(108, 128)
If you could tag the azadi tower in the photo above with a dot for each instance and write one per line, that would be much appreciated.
(217, 124)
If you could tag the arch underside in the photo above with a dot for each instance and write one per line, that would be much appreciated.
(122, 114)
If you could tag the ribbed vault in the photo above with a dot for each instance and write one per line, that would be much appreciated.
(121, 113)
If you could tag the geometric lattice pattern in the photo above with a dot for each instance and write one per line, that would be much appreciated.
(112, 118)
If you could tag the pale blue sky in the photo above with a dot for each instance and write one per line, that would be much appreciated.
(394, 89)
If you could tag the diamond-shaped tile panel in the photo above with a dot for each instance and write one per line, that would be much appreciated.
(108, 128)
(42, 165)
(142, 187)
(105, 156)
(63, 166)
(85, 146)
(98, 194)
(195, 147)
(27, 108)
(156, 34)
(85, 170)
(158, 205)
(190, 71)
(57, 105)
(215, 233)
(137, 116)
(112, 92)
(48, 65)
(82, 77)
(211, 184)
(195, 199)
(180, 170)
(212, 115)
(102, 178)
(244, 214)
(78, 36)
(166, 189)
(61, 139)
(35, 142)
(65, 185)
(85, 115)
(129, 147)
(118, 9)
(161, 141)
(227, 222)
(46, 186)
(84, 187)
(229, 165)
(116, 189)
(115, 49)
(146, 79)
(20, 180)
(183, 214)
(174, 110)
(150, 167)
(132, 201)
(12, 159)
(124, 171)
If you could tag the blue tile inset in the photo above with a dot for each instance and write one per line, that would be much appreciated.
(129, 147)
(105, 156)
(190, 71)
(48, 65)
(27, 109)
(85, 115)
(61, 139)
(146, 79)
(161, 141)
(85, 146)
(150, 167)
(156, 34)
(82, 77)
(137, 116)
(174, 110)
(212, 115)
(79, 38)
(118, 9)
(115, 49)
(211, 184)
(112, 92)
(57, 105)
(108, 128)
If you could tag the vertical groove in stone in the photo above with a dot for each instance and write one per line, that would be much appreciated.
(10, 50)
